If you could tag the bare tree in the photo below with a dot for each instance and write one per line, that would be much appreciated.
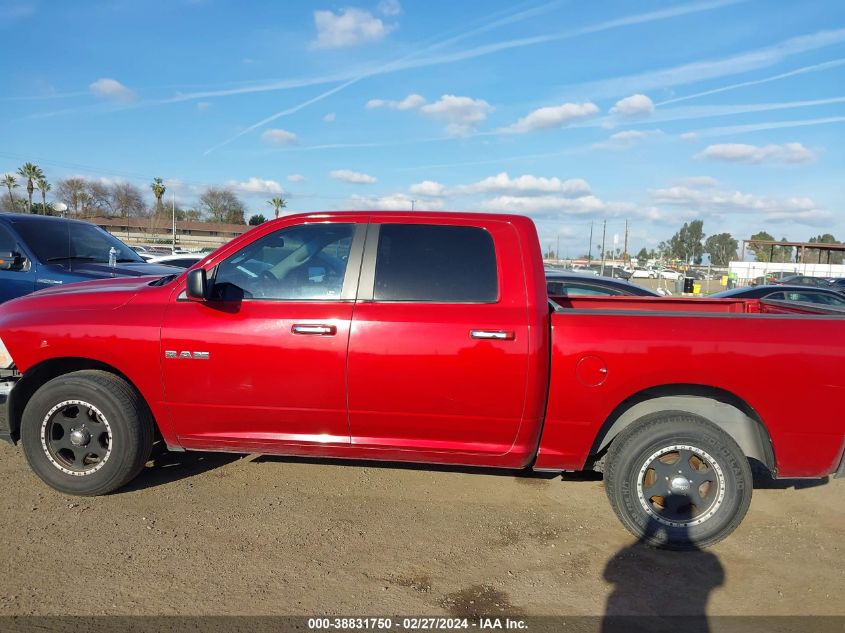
(99, 197)
(128, 200)
(74, 193)
(222, 205)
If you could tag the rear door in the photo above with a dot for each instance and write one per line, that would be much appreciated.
(438, 352)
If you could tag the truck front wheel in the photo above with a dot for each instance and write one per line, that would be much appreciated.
(678, 481)
(86, 433)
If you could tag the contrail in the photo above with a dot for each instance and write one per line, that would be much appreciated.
(404, 63)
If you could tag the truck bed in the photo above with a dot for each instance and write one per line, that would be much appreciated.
(780, 360)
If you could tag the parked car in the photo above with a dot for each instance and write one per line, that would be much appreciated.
(183, 260)
(643, 273)
(143, 252)
(572, 284)
(786, 293)
(802, 280)
(669, 273)
(427, 338)
(40, 251)
(837, 284)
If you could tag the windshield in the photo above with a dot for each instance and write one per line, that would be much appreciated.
(59, 242)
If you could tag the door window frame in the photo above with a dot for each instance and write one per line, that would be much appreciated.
(351, 275)
(367, 282)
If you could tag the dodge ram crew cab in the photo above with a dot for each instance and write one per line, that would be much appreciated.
(39, 251)
(425, 337)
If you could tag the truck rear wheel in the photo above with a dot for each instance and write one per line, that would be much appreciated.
(678, 481)
(86, 433)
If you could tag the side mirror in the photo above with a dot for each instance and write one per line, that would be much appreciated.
(10, 260)
(197, 288)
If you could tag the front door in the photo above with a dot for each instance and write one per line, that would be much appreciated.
(16, 282)
(263, 362)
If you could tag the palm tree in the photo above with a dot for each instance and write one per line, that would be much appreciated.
(278, 203)
(158, 191)
(31, 172)
(10, 183)
(43, 187)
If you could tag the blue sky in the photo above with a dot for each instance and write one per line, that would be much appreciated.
(570, 112)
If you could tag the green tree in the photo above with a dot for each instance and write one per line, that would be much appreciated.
(278, 203)
(257, 219)
(642, 256)
(762, 252)
(30, 172)
(158, 190)
(721, 248)
(43, 187)
(688, 243)
(222, 205)
(10, 183)
(821, 255)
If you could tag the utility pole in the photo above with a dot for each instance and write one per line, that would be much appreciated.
(173, 211)
(413, 204)
(557, 250)
(603, 235)
(625, 250)
(590, 251)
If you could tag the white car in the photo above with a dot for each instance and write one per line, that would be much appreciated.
(643, 273)
(668, 273)
(182, 260)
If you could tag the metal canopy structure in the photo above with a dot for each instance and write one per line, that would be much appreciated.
(800, 248)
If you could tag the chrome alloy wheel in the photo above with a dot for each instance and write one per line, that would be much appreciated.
(681, 485)
(76, 437)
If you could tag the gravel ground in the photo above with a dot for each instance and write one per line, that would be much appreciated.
(224, 534)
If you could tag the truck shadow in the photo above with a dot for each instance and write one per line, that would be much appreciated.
(166, 467)
(658, 589)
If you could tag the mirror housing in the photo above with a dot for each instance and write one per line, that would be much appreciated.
(197, 288)
(11, 260)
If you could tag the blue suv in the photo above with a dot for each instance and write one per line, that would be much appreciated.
(38, 251)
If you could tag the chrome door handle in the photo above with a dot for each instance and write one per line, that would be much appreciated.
(314, 329)
(497, 335)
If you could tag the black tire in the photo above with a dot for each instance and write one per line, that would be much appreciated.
(697, 507)
(87, 433)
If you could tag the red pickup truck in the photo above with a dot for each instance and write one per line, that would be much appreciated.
(425, 337)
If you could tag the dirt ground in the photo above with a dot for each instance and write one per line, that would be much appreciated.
(224, 534)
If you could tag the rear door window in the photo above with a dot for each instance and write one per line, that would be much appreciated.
(435, 263)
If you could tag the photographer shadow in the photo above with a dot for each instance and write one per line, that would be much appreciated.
(660, 589)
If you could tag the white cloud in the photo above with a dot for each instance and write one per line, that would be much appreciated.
(296, 178)
(712, 201)
(428, 188)
(690, 136)
(112, 89)
(276, 136)
(203, 105)
(392, 202)
(354, 177)
(697, 182)
(556, 206)
(461, 114)
(408, 103)
(389, 7)
(634, 106)
(743, 153)
(329, 117)
(553, 116)
(527, 185)
(255, 185)
(628, 138)
(349, 27)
